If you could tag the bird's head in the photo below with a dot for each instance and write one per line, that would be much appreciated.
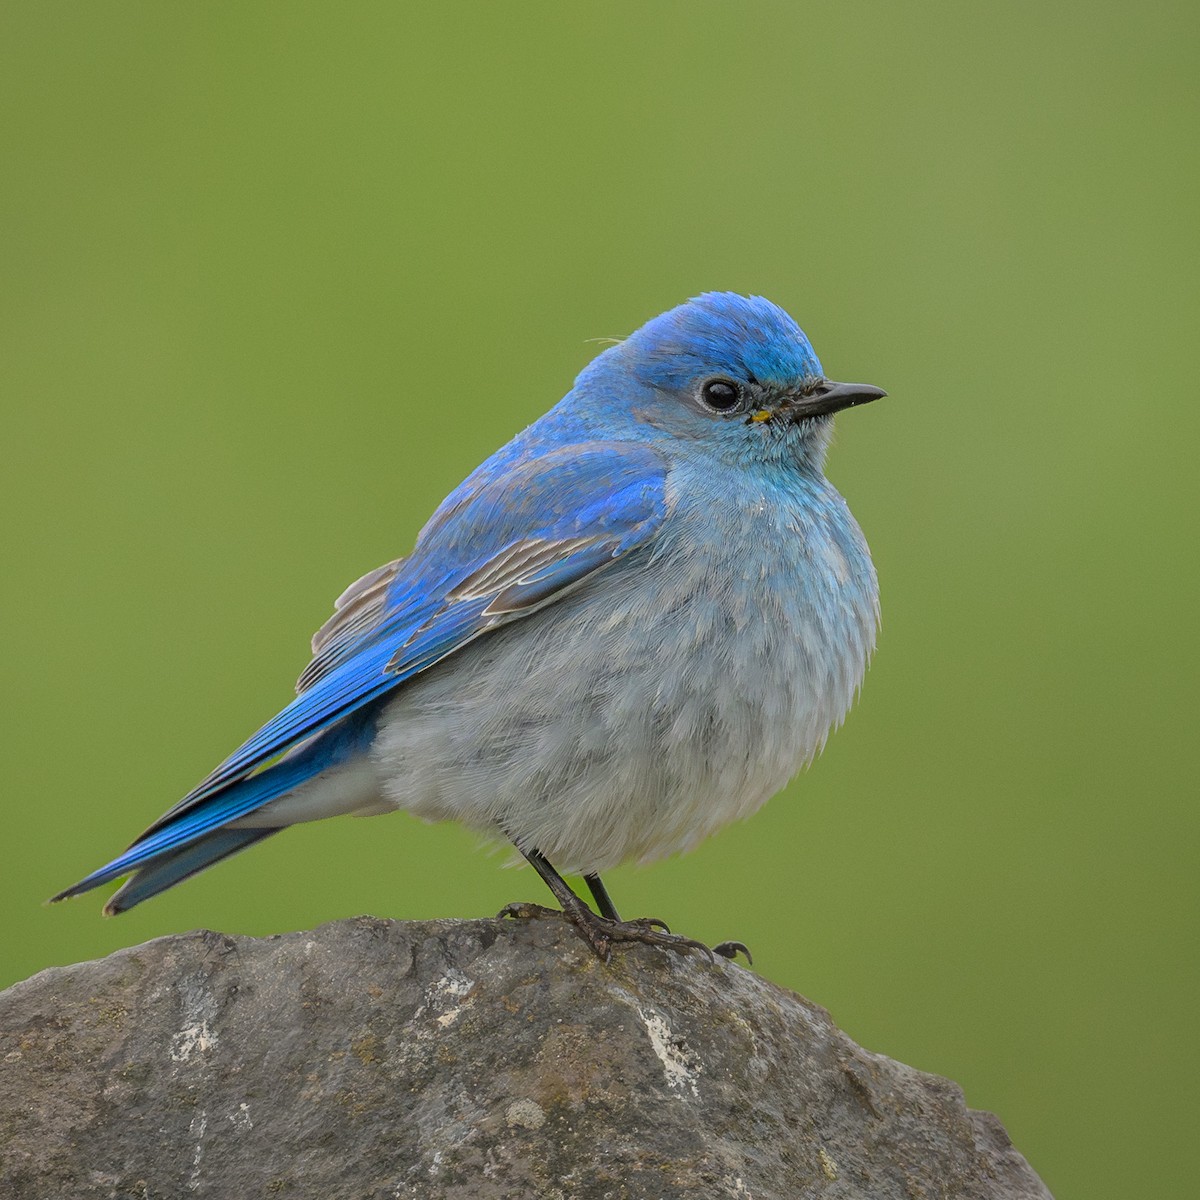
(733, 371)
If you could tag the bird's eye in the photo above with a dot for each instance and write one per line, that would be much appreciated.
(720, 395)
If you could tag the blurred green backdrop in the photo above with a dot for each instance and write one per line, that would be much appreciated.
(276, 276)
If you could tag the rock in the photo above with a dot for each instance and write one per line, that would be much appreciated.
(460, 1060)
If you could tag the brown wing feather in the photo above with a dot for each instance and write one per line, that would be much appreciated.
(355, 609)
(362, 603)
(514, 563)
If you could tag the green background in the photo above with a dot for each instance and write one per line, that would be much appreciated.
(275, 277)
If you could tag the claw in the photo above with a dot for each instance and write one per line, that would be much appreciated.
(649, 923)
(731, 950)
(601, 934)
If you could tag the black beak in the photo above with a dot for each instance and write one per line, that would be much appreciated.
(829, 397)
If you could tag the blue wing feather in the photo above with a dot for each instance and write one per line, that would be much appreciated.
(597, 501)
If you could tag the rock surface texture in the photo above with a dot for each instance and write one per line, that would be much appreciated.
(460, 1059)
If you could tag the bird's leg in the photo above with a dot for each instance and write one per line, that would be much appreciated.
(607, 909)
(603, 899)
(568, 901)
(600, 932)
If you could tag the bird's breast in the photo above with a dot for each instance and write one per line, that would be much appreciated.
(677, 691)
(774, 611)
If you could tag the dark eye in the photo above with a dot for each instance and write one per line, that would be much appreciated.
(721, 395)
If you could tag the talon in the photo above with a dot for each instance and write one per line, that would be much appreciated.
(731, 950)
(601, 933)
(649, 923)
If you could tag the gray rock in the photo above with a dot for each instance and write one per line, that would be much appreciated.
(460, 1059)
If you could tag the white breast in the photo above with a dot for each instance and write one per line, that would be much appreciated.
(677, 693)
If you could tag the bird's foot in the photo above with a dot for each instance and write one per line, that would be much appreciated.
(601, 934)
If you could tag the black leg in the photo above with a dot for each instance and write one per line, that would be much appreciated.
(609, 909)
(601, 931)
(553, 880)
(603, 899)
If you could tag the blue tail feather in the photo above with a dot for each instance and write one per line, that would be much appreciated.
(170, 869)
(200, 836)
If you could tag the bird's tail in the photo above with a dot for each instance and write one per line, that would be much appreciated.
(197, 835)
(175, 866)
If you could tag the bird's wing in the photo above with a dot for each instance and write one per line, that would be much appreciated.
(355, 611)
(498, 549)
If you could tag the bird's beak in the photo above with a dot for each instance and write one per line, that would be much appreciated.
(829, 397)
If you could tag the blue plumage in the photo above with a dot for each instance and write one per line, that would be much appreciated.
(609, 526)
(609, 495)
(201, 818)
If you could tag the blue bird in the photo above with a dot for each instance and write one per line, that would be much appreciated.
(630, 626)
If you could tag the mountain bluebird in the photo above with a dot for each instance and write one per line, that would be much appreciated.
(630, 626)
